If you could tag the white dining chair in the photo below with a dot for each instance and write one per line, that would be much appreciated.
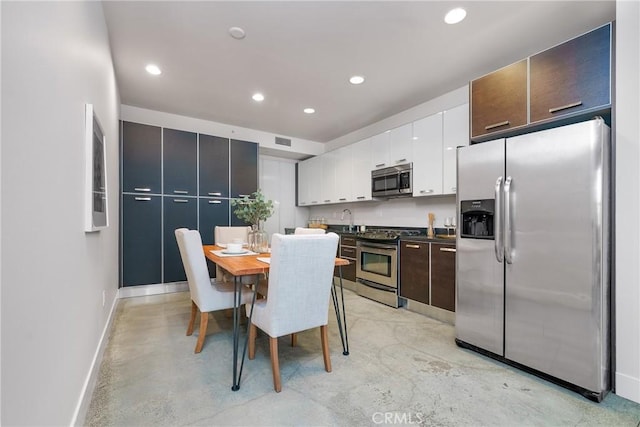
(303, 230)
(300, 280)
(222, 236)
(207, 295)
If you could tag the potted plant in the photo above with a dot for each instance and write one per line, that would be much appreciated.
(254, 210)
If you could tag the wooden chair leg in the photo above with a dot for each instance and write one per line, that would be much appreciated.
(294, 339)
(194, 311)
(204, 319)
(324, 336)
(252, 341)
(275, 364)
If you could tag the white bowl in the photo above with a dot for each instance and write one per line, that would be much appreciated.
(234, 247)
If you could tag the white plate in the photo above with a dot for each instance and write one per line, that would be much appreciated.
(244, 251)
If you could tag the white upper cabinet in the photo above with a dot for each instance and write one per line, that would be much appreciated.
(314, 178)
(344, 181)
(401, 150)
(361, 169)
(303, 183)
(328, 188)
(380, 147)
(455, 134)
(427, 156)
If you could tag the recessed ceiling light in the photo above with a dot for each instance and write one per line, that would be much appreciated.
(309, 110)
(455, 15)
(237, 33)
(258, 97)
(356, 80)
(153, 69)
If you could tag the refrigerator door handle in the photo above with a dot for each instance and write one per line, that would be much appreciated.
(498, 243)
(507, 221)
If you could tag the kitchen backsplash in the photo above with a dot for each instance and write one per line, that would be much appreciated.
(403, 212)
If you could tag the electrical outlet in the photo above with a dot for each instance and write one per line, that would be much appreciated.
(104, 297)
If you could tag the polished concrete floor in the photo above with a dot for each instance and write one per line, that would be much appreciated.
(404, 368)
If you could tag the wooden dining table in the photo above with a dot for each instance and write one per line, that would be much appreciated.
(243, 265)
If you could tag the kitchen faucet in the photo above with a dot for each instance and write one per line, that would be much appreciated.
(350, 218)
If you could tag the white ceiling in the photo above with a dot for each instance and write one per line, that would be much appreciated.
(301, 54)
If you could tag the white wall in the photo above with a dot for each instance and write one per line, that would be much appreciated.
(278, 183)
(627, 217)
(55, 58)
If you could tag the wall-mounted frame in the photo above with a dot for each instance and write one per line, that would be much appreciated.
(96, 217)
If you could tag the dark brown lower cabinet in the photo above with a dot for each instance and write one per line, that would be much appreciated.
(443, 276)
(414, 271)
(347, 251)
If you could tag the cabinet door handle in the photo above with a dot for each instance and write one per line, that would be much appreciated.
(380, 165)
(426, 191)
(342, 199)
(180, 191)
(143, 199)
(327, 201)
(180, 201)
(496, 125)
(447, 250)
(401, 161)
(215, 202)
(142, 189)
(215, 194)
(454, 188)
(360, 197)
(412, 246)
(243, 195)
(565, 107)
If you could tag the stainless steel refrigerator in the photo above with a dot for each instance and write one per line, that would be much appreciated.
(533, 253)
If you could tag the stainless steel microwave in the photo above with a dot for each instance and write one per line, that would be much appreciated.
(395, 181)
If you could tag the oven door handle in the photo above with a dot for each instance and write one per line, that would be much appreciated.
(365, 244)
(376, 285)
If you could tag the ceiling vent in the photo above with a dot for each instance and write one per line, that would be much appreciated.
(283, 141)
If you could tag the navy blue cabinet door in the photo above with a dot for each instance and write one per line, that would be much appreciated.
(141, 239)
(244, 168)
(214, 166)
(180, 162)
(141, 158)
(179, 212)
(213, 212)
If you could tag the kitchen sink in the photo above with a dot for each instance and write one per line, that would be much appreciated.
(446, 236)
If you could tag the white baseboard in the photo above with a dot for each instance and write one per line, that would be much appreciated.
(628, 387)
(90, 382)
(157, 289)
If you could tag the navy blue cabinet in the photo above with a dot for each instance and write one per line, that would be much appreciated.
(141, 158)
(180, 167)
(212, 213)
(179, 212)
(172, 179)
(214, 166)
(244, 168)
(141, 239)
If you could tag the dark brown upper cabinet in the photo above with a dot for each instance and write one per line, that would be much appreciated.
(572, 77)
(564, 84)
(499, 100)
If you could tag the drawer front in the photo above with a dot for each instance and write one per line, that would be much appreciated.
(348, 252)
(348, 241)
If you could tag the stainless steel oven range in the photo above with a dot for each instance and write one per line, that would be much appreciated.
(377, 265)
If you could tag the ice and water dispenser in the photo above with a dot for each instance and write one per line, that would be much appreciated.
(477, 218)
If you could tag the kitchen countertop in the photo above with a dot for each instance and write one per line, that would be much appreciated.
(427, 239)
